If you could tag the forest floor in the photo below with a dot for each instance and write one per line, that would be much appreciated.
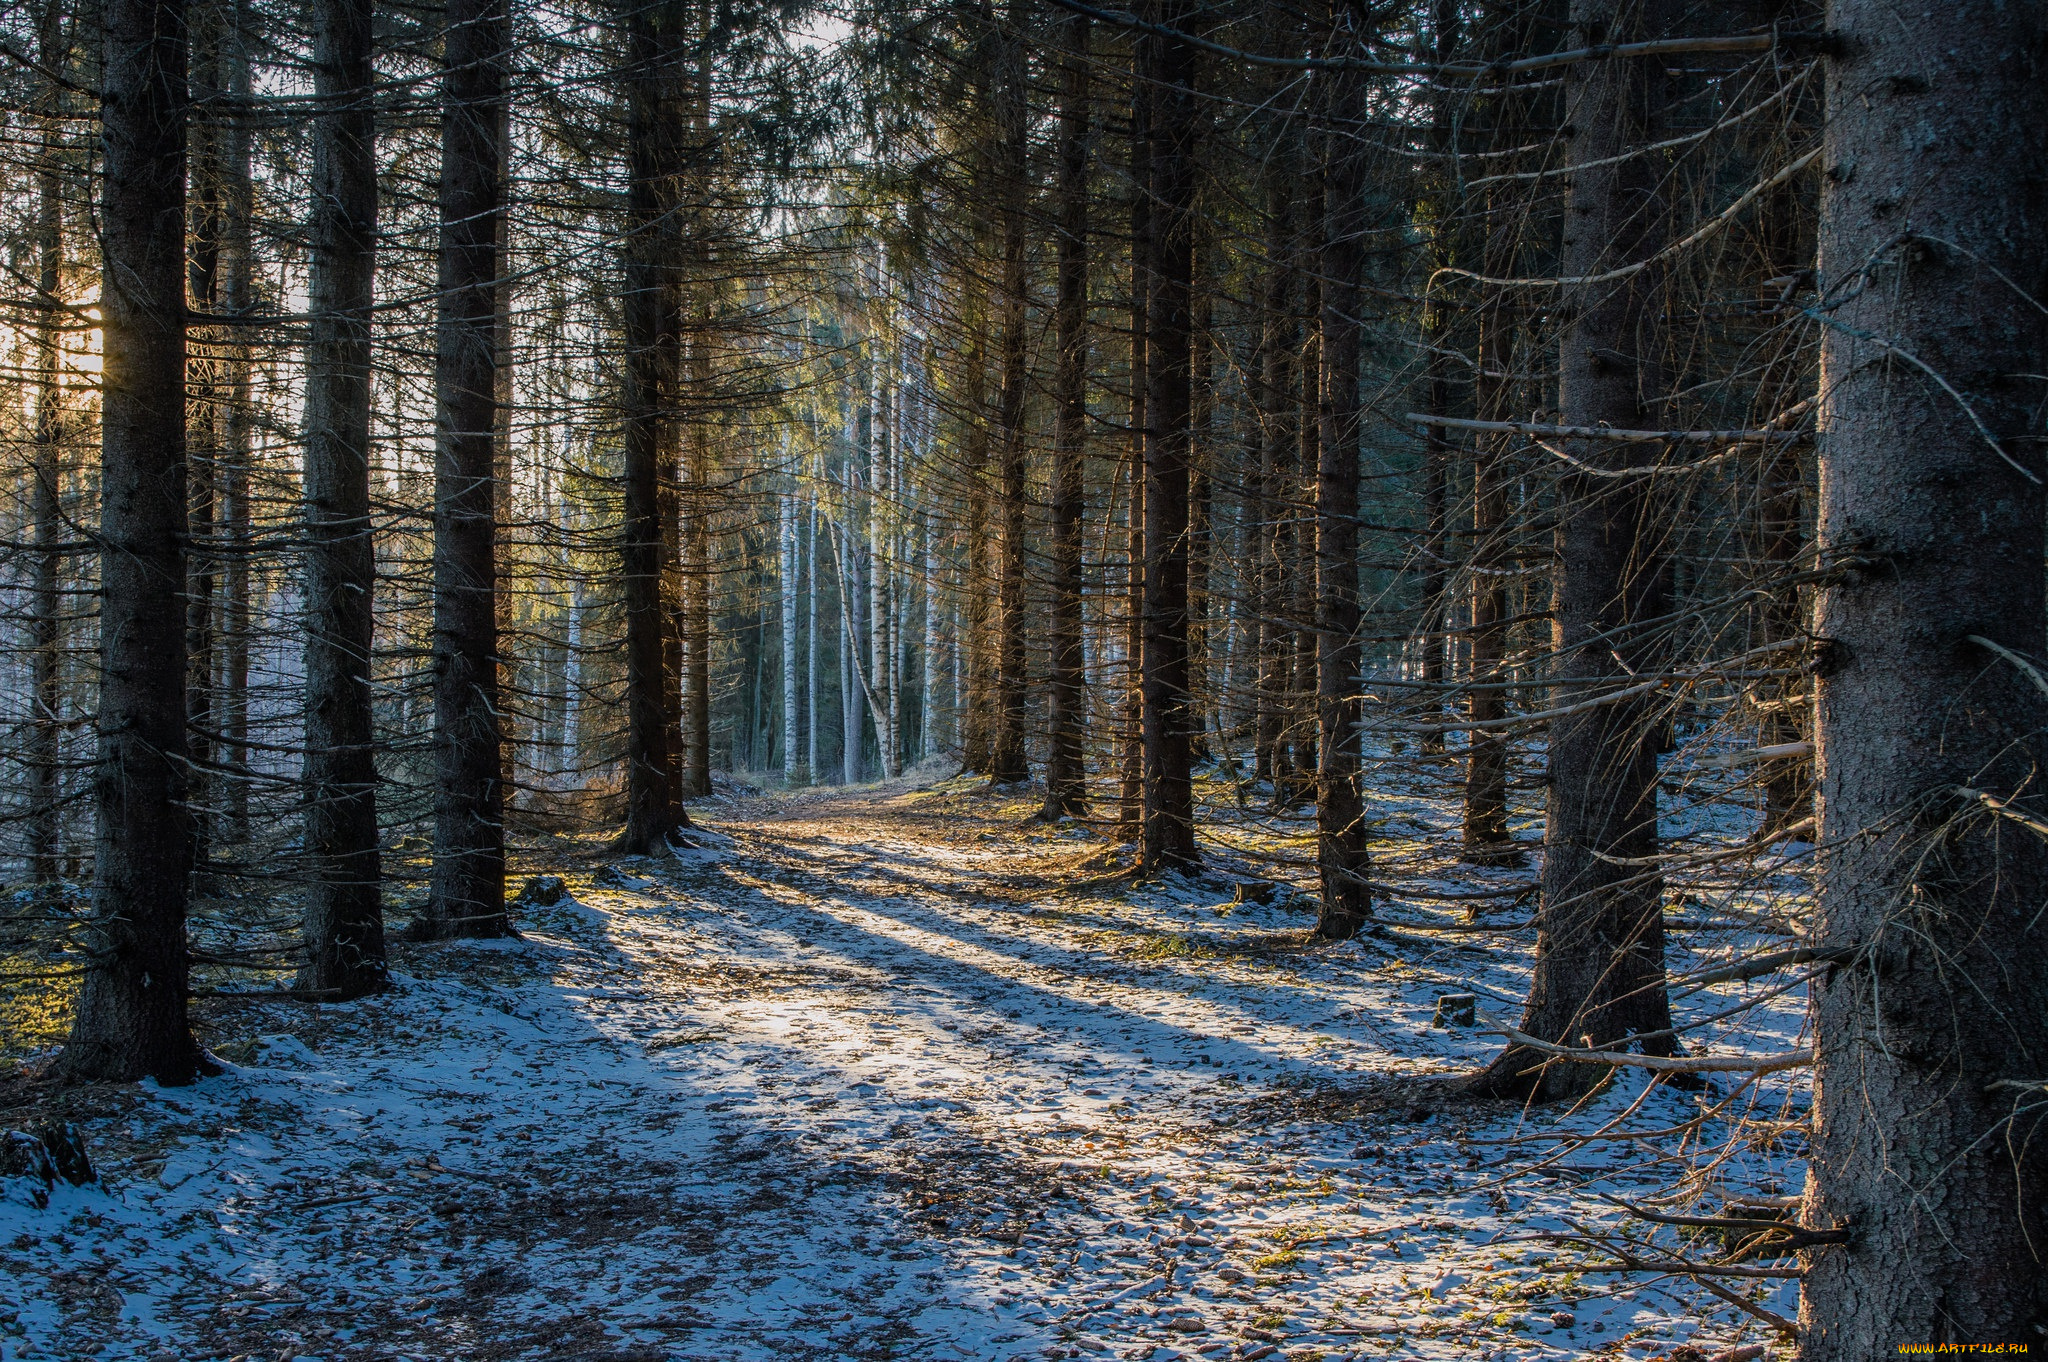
(880, 1073)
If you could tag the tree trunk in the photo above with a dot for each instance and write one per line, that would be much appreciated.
(928, 693)
(1264, 497)
(131, 1018)
(1933, 1043)
(977, 729)
(696, 499)
(811, 638)
(647, 567)
(787, 582)
(237, 421)
(1066, 778)
(884, 706)
(1342, 859)
(1434, 612)
(468, 897)
(1782, 501)
(1599, 975)
(344, 906)
(1169, 716)
(1300, 732)
(1486, 837)
(1201, 509)
(1007, 764)
(1131, 805)
(46, 828)
(849, 698)
(206, 366)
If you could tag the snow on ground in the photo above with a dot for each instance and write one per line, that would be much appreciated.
(889, 1076)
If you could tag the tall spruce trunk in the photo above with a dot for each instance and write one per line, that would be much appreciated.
(468, 895)
(1299, 732)
(46, 507)
(1434, 612)
(697, 577)
(1201, 507)
(1501, 221)
(344, 906)
(1131, 737)
(977, 703)
(236, 420)
(1066, 790)
(694, 493)
(1007, 763)
(1342, 859)
(1487, 840)
(1169, 717)
(206, 345)
(1782, 513)
(1264, 496)
(647, 566)
(1599, 973)
(1932, 1040)
(131, 1020)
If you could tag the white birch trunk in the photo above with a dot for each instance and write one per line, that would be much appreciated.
(811, 636)
(928, 693)
(849, 701)
(787, 508)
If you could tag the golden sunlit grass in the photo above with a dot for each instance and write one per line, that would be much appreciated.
(35, 1004)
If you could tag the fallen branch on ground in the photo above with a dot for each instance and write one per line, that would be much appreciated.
(1706, 1064)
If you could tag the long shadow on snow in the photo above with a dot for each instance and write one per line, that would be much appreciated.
(1063, 1011)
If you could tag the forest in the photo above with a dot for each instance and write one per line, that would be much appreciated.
(1007, 679)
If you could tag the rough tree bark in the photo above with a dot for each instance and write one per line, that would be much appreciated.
(131, 1018)
(1342, 859)
(344, 909)
(694, 493)
(206, 345)
(1264, 496)
(697, 578)
(1067, 698)
(1169, 717)
(468, 892)
(1299, 730)
(236, 420)
(1007, 762)
(1932, 1042)
(652, 337)
(1434, 612)
(977, 730)
(1599, 974)
(1131, 738)
(46, 510)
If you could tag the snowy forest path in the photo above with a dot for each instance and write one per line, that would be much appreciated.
(881, 1073)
